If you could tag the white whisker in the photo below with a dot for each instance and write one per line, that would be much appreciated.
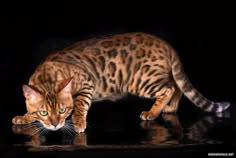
(43, 131)
(68, 128)
(37, 131)
(24, 127)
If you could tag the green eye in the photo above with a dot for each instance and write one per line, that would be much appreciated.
(43, 112)
(62, 110)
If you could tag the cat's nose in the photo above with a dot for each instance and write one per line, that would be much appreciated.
(54, 123)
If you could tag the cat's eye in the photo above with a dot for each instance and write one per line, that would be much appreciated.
(62, 110)
(43, 112)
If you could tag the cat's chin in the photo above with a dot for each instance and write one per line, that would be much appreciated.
(53, 129)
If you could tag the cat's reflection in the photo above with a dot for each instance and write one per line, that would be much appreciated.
(41, 141)
(169, 131)
(166, 131)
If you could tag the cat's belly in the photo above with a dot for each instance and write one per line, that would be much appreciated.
(111, 97)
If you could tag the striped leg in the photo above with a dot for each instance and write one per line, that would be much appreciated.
(82, 103)
(174, 102)
(161, 101)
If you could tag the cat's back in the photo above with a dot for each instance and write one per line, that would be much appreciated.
(119, 41)
(137, 44)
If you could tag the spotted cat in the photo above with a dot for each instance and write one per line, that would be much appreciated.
(108, 68)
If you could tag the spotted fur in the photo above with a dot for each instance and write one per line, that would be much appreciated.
(108, 68)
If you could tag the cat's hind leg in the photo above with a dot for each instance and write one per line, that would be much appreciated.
(26, 119)
(161, 101)
(172, 107)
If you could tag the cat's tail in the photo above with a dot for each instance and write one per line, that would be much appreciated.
(190, 92)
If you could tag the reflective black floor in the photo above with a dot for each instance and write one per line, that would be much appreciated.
(115, 130)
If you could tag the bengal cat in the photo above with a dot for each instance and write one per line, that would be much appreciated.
(108, 68)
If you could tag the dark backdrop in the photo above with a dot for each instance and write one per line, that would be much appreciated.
(203, 34)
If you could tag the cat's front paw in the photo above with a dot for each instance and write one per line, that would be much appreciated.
(18, 120)
(22, 120)
(80, 126)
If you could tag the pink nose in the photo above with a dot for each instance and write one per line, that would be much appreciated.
(54, 123)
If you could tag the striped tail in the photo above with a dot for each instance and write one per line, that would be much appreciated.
(191, 93)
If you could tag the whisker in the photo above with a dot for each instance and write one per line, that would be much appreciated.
(36, 131)
(31, 125)
(39, 128)
(69, 122)
(43, 131)
(63, 130)
(24, 127)
(68, 129)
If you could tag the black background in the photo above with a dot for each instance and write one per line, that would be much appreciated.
(203, 34)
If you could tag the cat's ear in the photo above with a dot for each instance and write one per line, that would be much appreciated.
(65, 86)
(31, 93)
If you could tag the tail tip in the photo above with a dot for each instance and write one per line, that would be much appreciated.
(222, 106)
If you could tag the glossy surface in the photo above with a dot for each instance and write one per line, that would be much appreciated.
(114, 129)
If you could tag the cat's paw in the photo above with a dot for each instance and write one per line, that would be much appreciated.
(147, 115)
(80, 126)
(18, 120)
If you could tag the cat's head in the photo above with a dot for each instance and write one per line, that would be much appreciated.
(50, 105)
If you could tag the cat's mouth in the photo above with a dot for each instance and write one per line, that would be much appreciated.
(54, 128)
